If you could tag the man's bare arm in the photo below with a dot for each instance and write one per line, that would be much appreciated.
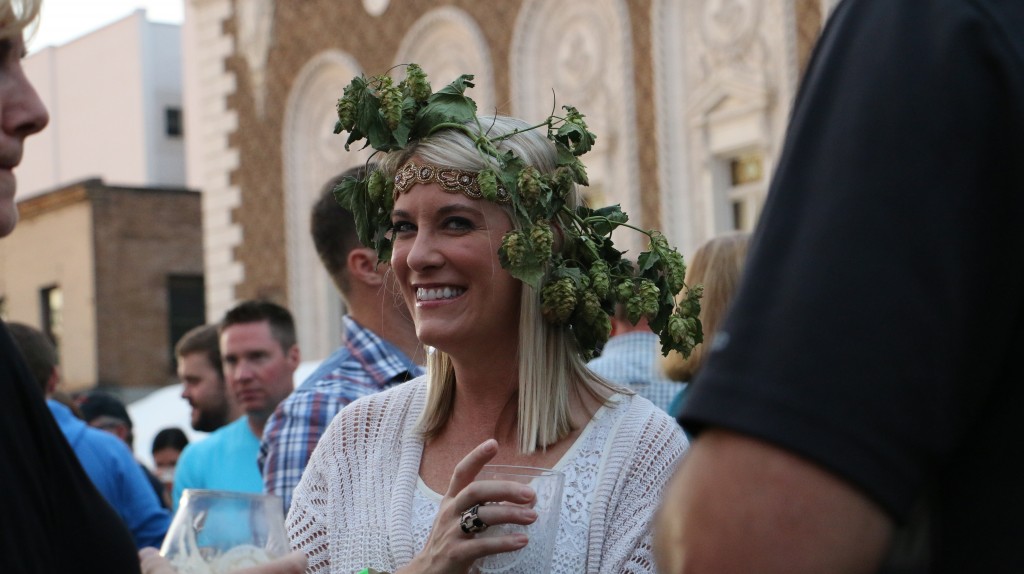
(740, 505)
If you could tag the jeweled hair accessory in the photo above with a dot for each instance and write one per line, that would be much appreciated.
(581, 283)
(448, 178)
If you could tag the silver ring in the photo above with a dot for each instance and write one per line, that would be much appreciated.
(470, 522)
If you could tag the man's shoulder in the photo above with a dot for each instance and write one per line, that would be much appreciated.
(215, 441)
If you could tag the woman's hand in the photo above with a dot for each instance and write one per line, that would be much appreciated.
(448, 548)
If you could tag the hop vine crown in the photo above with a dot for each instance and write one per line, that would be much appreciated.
(581, 284)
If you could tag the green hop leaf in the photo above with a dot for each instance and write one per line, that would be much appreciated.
(573, 133)
(450, 105)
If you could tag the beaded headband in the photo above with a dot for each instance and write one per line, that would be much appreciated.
(448, 178)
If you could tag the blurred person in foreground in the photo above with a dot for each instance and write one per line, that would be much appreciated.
(104, 411)
(379, 340)
(52, 518)
(391, 486)
(260, 355)
(106, 458)
(716, 266)
(860, 410)
(201, 372)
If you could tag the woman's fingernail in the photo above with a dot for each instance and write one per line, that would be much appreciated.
(530, 514)
(521, 540)
(525, 491)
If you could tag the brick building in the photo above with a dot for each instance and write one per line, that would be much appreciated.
(113, 274)
(689, 101)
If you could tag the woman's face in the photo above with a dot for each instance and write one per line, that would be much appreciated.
(445, 258)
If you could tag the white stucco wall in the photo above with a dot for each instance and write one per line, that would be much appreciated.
(106, 94)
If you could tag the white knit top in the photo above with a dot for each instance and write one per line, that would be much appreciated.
(361, 503)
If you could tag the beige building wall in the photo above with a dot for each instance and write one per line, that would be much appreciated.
(141, 238)
(52, 245)
(111, 250)
(679, 93)
(107, 93)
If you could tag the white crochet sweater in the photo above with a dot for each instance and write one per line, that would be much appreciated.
(354, 506)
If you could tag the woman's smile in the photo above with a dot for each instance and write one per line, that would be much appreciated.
(424, 294)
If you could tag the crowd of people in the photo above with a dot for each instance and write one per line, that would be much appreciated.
(851, 388)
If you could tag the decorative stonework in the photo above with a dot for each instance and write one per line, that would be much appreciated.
(446, 43)
(255, 22)
(375, 7)
(313, 154)
(210, 155)
(725, 72)
(579, 52)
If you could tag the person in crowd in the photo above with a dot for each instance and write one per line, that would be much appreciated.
(202, 378)
(861, 404)
(390, 486)
(45, 494)
(107, 460)
(106, 412)
(166, 449)
(378, 336)
(631, 358)
(716, 265)
(260, 354)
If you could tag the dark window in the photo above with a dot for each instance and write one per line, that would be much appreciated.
(186, 308)
(172, 117)
(51, 312)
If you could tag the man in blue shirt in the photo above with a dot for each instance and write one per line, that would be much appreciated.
(260, 354)
(379, 341)
(106, 459)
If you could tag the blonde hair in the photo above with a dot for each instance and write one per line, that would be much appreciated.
(16, 16)
(550, 365)
(717, 264)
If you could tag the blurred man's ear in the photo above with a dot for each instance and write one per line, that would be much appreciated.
(52, 381)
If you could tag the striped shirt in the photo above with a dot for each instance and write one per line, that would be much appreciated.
(363, 365)
(632, 360)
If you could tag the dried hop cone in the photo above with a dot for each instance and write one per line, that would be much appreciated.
(390, 102)
(558, 299)
(488, 182)
(347, 111)
(416, 83)
(600, 281)
(590, 308)
(648, 294)
(376, 186)
(542, 238)
(528, 184)
(624, 290)
(514, 247)
(675, 270)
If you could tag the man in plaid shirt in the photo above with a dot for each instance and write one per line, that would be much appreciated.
(379, 348)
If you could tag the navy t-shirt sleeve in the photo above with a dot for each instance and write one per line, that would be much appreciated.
(884, 282)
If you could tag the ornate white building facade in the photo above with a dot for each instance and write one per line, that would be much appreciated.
(689, 101)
